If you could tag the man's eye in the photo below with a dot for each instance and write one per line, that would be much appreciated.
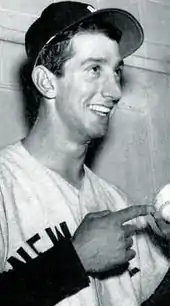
(118, 71)
(95, 70)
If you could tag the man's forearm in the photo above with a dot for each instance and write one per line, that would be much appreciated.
(46, 280)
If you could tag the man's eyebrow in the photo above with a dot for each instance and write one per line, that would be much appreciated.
(93, 59)
(100, 60)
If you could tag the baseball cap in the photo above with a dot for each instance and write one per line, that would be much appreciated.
(61, 16)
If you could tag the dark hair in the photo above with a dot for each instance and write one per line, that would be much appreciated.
(54, 55)
(58, 51)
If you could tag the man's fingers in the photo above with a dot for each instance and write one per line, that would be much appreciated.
(163, 226)
(98, 214)
(130, 254)
(129, 230)
(135, 211)
(128, 243)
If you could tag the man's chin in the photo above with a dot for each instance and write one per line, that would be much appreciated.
(99, 133)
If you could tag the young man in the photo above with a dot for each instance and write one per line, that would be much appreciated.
(66, 235)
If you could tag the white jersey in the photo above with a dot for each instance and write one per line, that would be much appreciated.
(35, 200)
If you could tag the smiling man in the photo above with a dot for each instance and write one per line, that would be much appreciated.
(66, 236)
(92, 84)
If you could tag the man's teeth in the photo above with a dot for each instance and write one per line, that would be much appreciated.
(102, 110)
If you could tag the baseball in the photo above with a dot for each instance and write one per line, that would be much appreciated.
(162, 202)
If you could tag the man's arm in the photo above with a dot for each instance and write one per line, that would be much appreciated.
(58, 273)
(46, 280)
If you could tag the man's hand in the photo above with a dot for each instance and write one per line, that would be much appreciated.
(164, 226)
(103, 241)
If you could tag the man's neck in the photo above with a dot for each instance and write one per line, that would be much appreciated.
(57, 153)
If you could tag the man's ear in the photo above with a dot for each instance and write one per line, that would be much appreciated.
(45, 81)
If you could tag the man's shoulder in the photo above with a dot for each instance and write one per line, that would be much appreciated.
(103, 181)
(10, 157)
(8, 151)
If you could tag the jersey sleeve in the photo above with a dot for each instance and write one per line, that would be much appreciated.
(45, 280)
(51, 277)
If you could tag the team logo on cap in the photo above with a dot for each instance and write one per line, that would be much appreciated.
(91, 9)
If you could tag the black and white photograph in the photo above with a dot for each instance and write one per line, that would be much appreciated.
(85, 153)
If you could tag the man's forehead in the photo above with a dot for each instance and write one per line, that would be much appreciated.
(95, 46)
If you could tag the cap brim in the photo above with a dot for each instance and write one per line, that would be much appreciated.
(132, 32)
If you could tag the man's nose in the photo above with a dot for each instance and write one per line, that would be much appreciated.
(111, 88)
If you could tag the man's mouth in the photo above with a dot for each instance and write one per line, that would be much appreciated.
(100, 110)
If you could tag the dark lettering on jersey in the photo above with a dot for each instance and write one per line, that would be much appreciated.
(55, 237)
(33, 240)
(24, 254)
(15, 262)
